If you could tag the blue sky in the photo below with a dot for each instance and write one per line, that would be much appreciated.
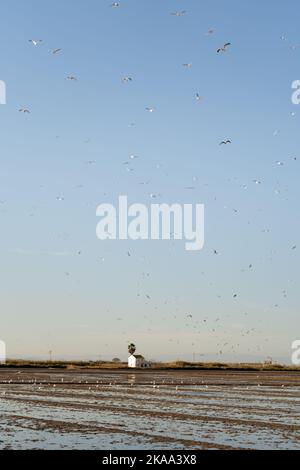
(246, 98)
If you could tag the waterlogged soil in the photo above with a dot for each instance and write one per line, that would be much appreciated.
(50, 409)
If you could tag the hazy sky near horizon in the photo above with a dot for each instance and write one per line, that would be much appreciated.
(64, 290)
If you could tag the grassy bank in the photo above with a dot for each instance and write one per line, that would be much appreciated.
(179, 365)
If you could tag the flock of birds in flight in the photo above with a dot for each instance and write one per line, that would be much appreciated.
(152, 109)
(128, 79)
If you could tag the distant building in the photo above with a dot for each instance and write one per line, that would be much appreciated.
(136, 360)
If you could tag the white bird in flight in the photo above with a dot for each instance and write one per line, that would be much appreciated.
(71, 78)
(151, 109)
(224, 48)
(54, 51)
(24, 110)
(179, 13)
(36, 42)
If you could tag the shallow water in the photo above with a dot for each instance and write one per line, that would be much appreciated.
(153, 410)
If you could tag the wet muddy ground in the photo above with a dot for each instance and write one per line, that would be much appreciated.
(99, 409)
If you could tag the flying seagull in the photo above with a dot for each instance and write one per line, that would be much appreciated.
(198, 97)
(179, 13)
(225, 142)
(151, 109)
(24, 110)
(72, 78)
(224, 48)
(188, 65)
(54, 51)
(36, 42)
(115, 5)
(127, 79)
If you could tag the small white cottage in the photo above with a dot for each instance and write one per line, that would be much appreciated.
(136, 360)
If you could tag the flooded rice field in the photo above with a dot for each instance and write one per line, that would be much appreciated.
(92, 409)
